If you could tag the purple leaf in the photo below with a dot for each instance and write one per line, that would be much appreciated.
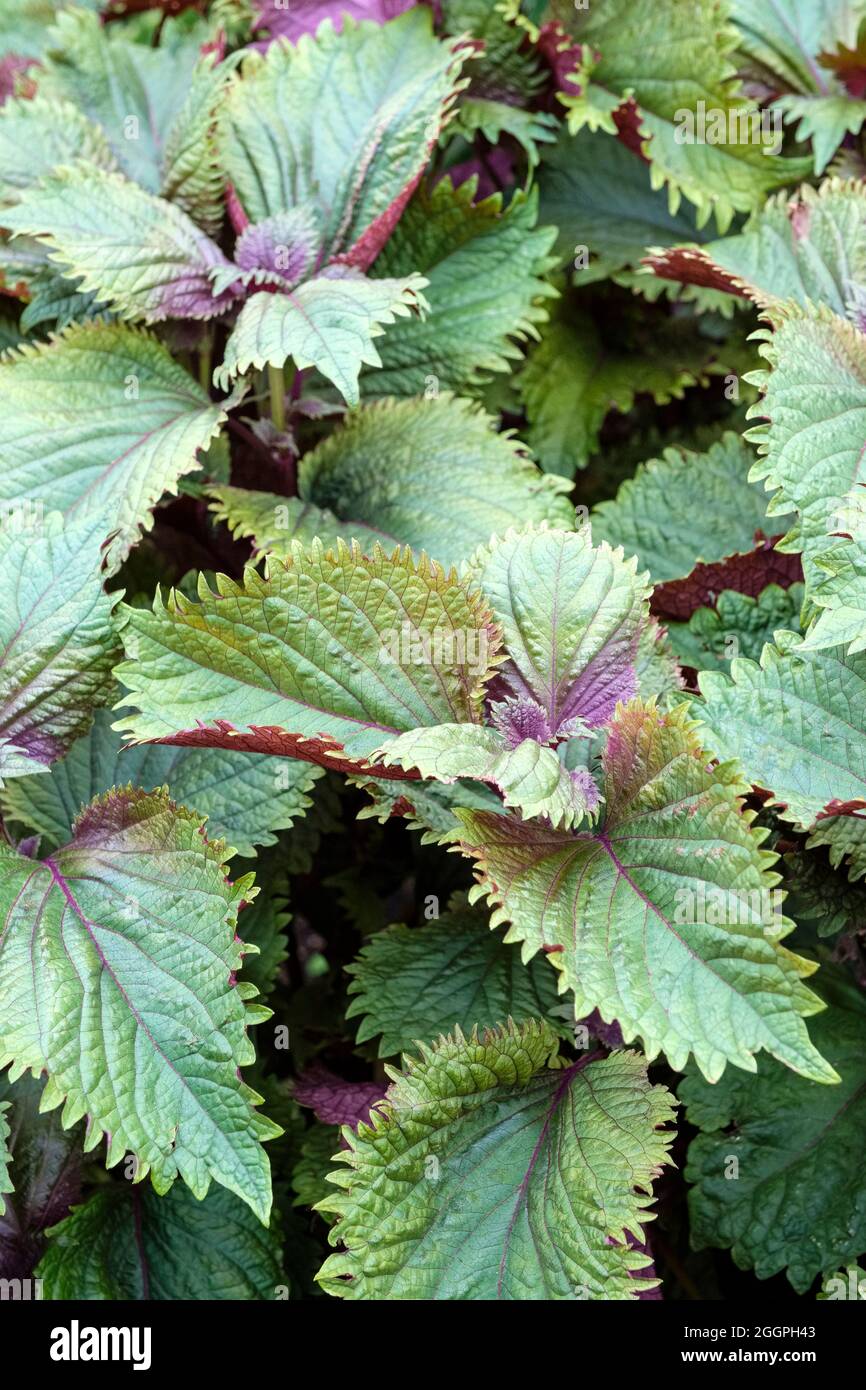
(607, 680)
(12, 69)
(45, 1170)
(519, 719)
(286, 244)
(335, 1101)
(289, 19)
(608, 1033)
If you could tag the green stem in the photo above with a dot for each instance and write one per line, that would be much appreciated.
(205, 363)
(277, 384)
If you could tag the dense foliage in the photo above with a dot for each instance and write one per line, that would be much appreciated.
(432, 648)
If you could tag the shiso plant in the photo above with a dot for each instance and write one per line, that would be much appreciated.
(432, 649)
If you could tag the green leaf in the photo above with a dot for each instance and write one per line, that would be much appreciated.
(57, 642)
(736, 626)
(245, 797)
(125, 1244)
(571, 381)
(310, 1174)
(429, 807)
(6, 1183)
(191, 175)
(323, 658)
(486, 1145)
(452, 480)
(529, 776)
(54, 300)
(788, 49)
(506, 66)
(100, 419)
(824, 120)
(134, 92)
(37, 134)
(799, 1201)
(809, 247)
(658, 674)
(385, 91)
(273, 523)
(141, 255)
(670, 57)
(654, 516)
(263, 921)
(24, 23)
(484, 268)
(571, 615)
(413, 986)
(837, 574)
(599, 195)
(665, 919)
(493, 119)
(845, 839)
(814, 399)
(116, 964)
(329, 323)
(787, 41)
(794, 724)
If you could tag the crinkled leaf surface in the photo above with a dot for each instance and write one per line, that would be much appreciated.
(343, 120)
(273, 523)
(116, 964)
(412, 985)
(599, 195)
(572, 381)
(143, 256)
(101, 419)
(484, 267)
(669, 57)
(191, 175)
(654, 515)
(263, 921)
(814, 398)
(24, 24)
(811, 247)
(429, 807)
(796, 722)
(799, 1201)
(330, 322)
(57, 641)
(571, 615)
(737, 625)
(614, 906)
(521, 1148)
(433, 474)
(335, 1101)
(38, 134)
(246, 797)
(347, 649)
(126, 1243)
(135, 93)
(845, 838)
(839, 590)
(529, 775)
